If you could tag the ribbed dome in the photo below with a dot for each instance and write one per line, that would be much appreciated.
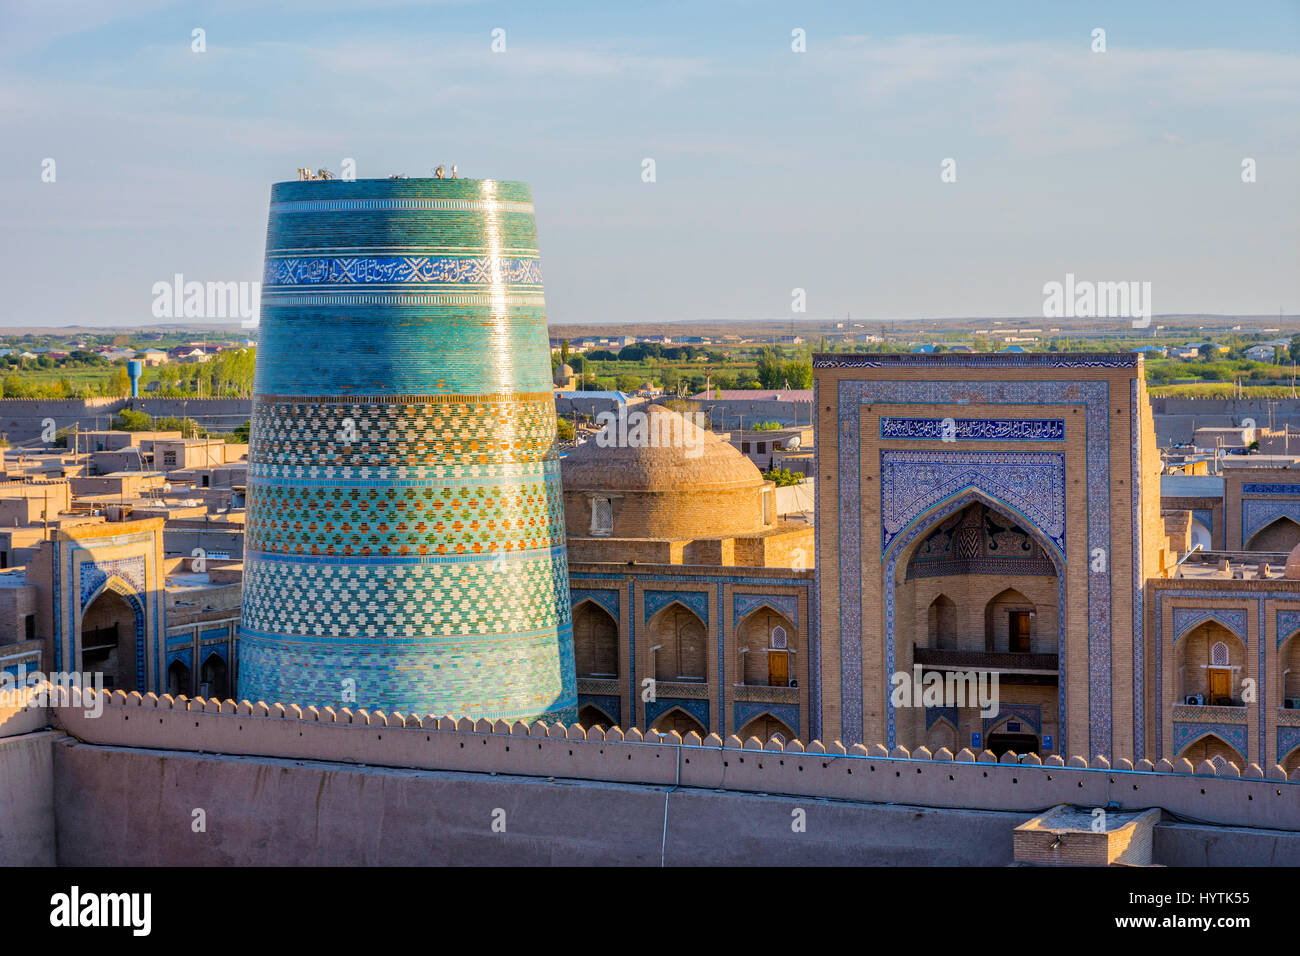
(1293, 564)
(685, 457)
(563, 374)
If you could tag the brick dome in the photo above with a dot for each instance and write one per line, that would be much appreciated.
(686, 485)
(682, 457)
(1293, 564)
(563, 374)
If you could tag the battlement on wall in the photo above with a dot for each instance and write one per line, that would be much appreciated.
(1214, 792)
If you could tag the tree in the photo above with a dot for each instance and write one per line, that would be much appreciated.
(798, 374)
(119, 382)
(129, 420)
(783, 477)
(770, 369)
(188, 427)
(564, 352)
(564, 429)
(627, 382)
(1208, 350)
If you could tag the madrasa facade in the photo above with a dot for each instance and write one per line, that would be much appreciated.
(1001, 513)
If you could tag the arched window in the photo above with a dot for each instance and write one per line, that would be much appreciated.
(595, 642)
(212, 677)
(602, 516)
(778, 638)
(941, 623)
(178, 679)
(1008, 622)
(682, 656)
(1219, 655)
(680, 721)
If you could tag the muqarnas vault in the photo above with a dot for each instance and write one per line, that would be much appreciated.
(405, 530)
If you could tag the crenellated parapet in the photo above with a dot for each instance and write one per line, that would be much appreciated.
(1215, 791)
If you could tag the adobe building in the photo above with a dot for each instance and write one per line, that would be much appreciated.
(681, 571)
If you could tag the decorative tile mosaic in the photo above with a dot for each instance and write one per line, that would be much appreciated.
(1188, 618)
(696, 707)
(973, 429)
(911, 360)
(745, 604)
(745, 711)
(1257, 513)
(1032, 484)
(1032, 714)
(1189, 733)
(697, 601)
(347, 270)
(935, 714)
(1288, 622)
(95, 574)
(605, 597)
(609, 704)
(1206, 517)
(1139, 575)
(1288, 739)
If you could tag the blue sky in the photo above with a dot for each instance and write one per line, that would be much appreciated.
(775, 169)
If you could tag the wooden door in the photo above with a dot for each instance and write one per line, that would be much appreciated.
(1220, 685)
(1018, 627)
(778, 669)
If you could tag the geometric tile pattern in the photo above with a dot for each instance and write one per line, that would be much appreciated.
(1288, 739)
(1031, 714)
(1288, 622)
(93, 574)
(1258, 512)
(405, 523)
(385, 601)
(699, 709)
(1186, 618)
(1033, 483)
(429, 439)
(606, 598)
(1187, 733)
(510, 515)
(744, 604)
(697, 601)
(745, 711)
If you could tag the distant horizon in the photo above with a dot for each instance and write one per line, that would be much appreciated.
(1117, 329)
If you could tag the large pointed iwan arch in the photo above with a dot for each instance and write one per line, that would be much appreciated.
(909, 538)
(135, 604)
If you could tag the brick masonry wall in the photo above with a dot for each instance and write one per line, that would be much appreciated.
(1210, 793)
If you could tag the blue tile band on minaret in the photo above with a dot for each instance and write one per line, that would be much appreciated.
(405, 526)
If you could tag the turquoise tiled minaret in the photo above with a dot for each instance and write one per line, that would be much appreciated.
(405, 527)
